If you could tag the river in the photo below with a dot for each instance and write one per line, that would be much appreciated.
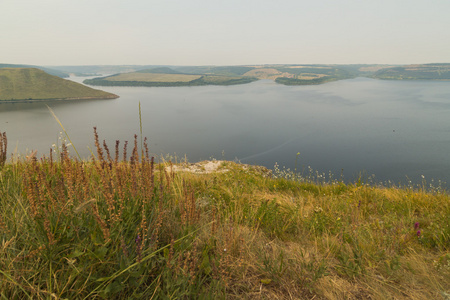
(396, 130)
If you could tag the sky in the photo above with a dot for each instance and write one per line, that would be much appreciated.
(225, 32)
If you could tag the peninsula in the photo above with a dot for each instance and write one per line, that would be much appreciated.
(165, 76)
(287, 74)
(415, 72)
(31, 84)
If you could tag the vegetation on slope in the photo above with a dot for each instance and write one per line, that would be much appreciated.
(120, 227)
(33, 84)
(46, 70)
(416, 72)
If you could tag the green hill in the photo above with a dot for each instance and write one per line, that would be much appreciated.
(50, 71)
(416, 72)
(34, 84)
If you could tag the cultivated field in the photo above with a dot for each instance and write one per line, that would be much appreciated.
(153, 77)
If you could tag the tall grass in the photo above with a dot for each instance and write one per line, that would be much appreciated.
(120, 227)
(3, 148)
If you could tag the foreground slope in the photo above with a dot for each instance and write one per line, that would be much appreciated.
(33, 84)
(133, 229)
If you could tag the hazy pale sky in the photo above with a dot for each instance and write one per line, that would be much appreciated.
(225, 32)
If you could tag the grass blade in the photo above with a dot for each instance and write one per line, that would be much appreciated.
(65, 132)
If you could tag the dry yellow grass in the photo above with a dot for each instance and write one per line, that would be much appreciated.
(153, 77)
(133, 229)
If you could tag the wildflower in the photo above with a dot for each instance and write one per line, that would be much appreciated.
(138, 248)
(416, 225)
(318, 209)
(418, 233)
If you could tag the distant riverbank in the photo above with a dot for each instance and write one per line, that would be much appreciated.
(58, 99)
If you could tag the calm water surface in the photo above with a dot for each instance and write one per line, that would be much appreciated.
(393, 129)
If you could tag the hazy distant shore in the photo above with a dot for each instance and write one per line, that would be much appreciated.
(60, 99)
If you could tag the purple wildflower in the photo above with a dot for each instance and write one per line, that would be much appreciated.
(418, 233)
(416, 225)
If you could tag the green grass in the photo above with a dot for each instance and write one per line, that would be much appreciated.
(121, 226)
(33, 84)
(54, 72)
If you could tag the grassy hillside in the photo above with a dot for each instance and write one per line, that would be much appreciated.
(121, 227)
(416, 72)
(33, 84)
(46, 70)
